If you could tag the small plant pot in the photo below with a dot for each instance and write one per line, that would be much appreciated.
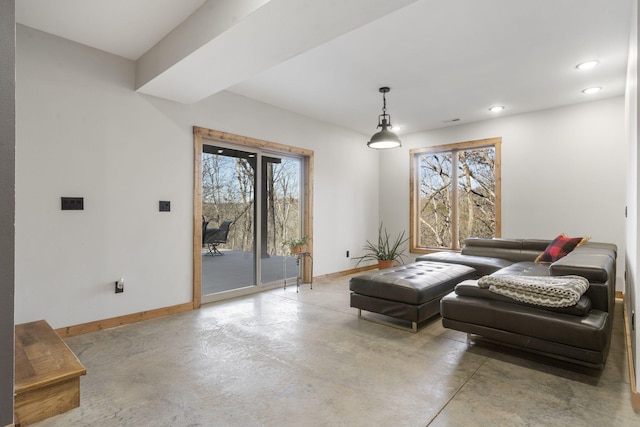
(385, 263)
(299, 249)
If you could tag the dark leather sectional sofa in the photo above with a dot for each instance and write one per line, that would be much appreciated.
(580, 334)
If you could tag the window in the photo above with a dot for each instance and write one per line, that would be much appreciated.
(455, 194)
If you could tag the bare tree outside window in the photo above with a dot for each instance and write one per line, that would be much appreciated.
(228, 192)
(283, 211)
(435, 200)
(455, 194)
(476, 194)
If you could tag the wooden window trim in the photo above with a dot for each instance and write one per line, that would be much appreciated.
(199, 135)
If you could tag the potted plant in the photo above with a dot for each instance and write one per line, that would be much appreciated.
(386, 251)
(297, 245)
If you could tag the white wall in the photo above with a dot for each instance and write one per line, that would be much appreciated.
(563, 171)
(83, 131)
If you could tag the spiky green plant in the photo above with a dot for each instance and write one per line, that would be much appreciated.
(385, 249)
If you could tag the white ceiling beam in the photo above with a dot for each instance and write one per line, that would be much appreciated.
(209, 21)
(228, 41)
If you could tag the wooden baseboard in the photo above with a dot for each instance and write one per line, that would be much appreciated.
(113, 322)
(344, 273)
(635, 395)
(99, 325)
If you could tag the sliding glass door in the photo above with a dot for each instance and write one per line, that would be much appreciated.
(251, 202)
(228, 198)
(280, 216)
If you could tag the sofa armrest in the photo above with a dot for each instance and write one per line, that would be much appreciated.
(592, 266)
(597, 263)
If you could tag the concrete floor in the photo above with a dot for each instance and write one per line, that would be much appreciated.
(286, 359)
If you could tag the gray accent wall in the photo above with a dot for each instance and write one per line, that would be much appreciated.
(632, 106)
(7, 204)
(634, 121)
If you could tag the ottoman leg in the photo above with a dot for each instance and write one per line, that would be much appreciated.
(413, 328)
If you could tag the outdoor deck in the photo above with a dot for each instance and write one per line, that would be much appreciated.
(234, 270)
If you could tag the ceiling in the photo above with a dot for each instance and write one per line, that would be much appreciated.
(326, 59)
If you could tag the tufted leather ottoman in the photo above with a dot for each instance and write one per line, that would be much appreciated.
(410, 292)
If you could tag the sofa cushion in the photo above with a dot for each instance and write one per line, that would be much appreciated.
(588, 332)
(560, 247)
(483, 265)
(470, 288)
(415, 283)
(525, 269)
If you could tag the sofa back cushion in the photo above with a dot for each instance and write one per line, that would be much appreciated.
(515, 250)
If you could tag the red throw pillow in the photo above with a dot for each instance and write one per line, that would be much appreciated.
(560, 247)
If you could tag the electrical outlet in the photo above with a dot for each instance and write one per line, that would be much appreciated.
(120, 286)
(633, 320)
(72, 203)
(347, 254)
(165, 206)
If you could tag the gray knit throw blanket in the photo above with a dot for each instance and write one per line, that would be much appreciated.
(546, 291)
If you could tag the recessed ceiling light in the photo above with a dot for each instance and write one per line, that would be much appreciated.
(587, 65)
(591, 90)
(496, 108)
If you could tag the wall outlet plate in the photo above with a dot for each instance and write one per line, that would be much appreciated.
(119, 286)
(72, 203)
(165, 206)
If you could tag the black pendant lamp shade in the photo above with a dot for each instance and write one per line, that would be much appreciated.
(385, 138)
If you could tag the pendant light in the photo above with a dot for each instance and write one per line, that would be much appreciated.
(385, 138)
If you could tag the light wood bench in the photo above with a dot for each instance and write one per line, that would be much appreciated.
(47, 374)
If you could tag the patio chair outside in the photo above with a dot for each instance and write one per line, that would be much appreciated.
(212, 237)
